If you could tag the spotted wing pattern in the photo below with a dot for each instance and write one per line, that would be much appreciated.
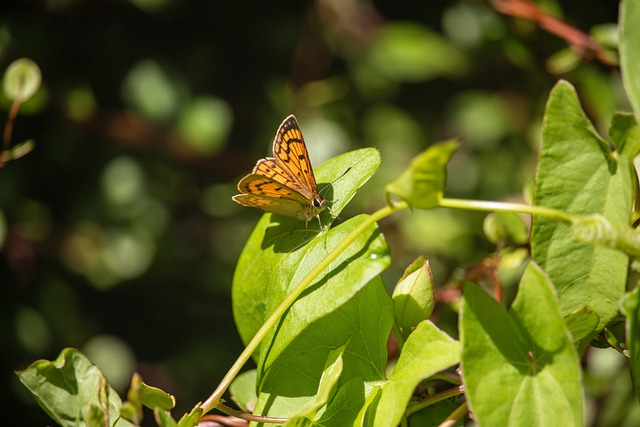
(270, 195)
(291, 155)
(283, 184)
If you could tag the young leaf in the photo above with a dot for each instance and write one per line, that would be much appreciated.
(279, 244)
(413, 296)
(579, 174)
(631, 308)
(422, 185)
(22, 79)
(163, 418)
(427, 351)
(519, 368)
(189, 420)
(153, 397)
(141, 394)
(630, 52)
(68, 385)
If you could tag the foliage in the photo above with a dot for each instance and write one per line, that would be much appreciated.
(329, 343)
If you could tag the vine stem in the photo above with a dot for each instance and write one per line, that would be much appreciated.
(213, 400)
(8, 127)
(482, 205)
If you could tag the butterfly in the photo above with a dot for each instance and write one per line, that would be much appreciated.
(284, 184)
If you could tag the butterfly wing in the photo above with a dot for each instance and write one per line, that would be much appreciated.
(269, 168)
(284, 184)
(291, 156)
(265, 193)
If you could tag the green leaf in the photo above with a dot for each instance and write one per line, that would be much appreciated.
(625, 135)
(427, 351)
(413, 296)
(18, 150)
(140, 394)
(583, 326)
(153, 397)
(95, 416)
(519, 368)
(192, 418)
(330, 375)
(243, 390)
(630, 52)
(436, 414)
(422, 184)
(615, 334)
(321, 320)
(350, 404)
(582, 323)
(278, 255)
(579, 174)
(278, 244)
(163, 418)
(22, 79)
(326, 388)
(68, 386)
(631, 308)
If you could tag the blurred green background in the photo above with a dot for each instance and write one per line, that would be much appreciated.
(118, 234)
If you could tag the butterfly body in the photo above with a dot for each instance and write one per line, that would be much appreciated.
(284, 184)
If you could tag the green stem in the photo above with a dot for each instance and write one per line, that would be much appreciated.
(481, 205)
(249, 417)
(271, 322)
(432, 400)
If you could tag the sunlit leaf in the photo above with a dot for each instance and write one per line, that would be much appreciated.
(427, 351)
(326, 388)
(67, 386)
(422, 184)
(280, 252)
(413, 296)
(164, 419)
(522, 359)
(192, 418)
(582, 323)
(579, 174)
(278, 243)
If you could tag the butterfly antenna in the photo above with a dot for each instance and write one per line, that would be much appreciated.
(327, 186)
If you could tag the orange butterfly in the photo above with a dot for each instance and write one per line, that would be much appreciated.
(284, 184)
